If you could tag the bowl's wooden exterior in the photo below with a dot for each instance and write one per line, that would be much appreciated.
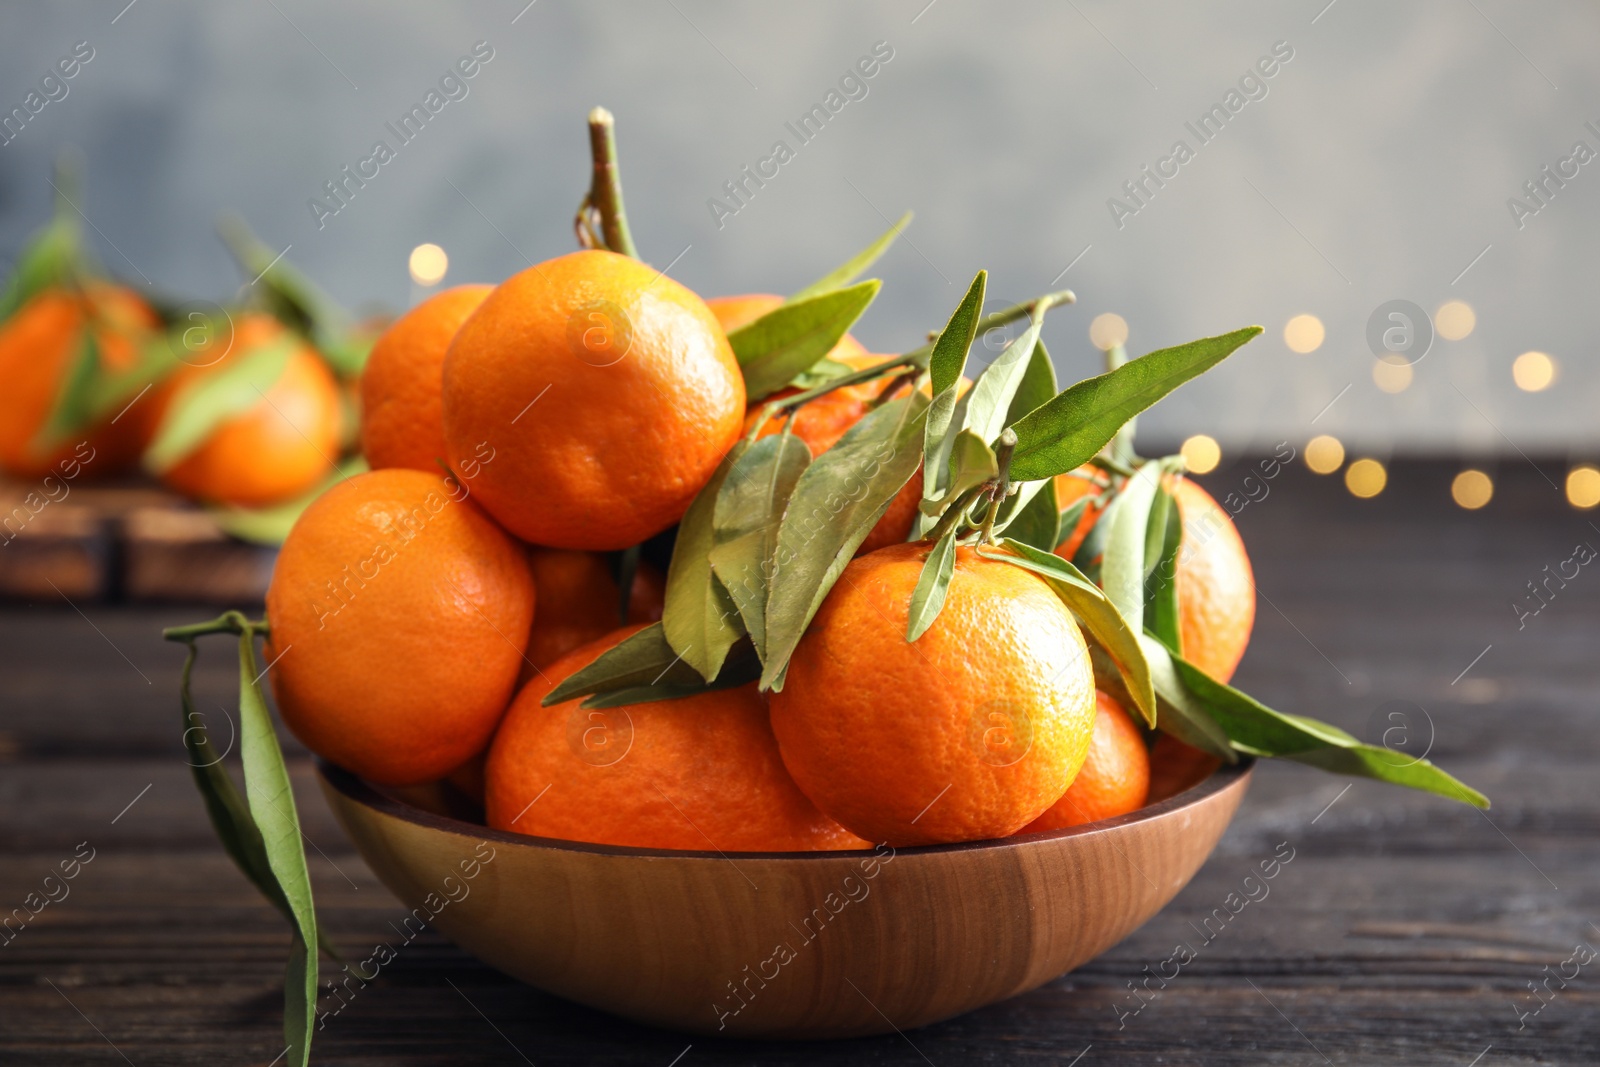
(811, 945)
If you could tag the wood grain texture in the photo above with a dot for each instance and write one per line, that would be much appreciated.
(831, 944)
(1405, 931)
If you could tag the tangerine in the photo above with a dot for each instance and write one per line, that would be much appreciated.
(970, 732)
(398, 615)
(275, 448)
(645, 399)
(1115, 777)
(578, 601)
(701, 772)
(39, 346)
(402, 422)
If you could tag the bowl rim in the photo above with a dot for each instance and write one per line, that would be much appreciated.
(365, 793)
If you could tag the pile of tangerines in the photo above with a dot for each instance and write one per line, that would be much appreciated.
(429, 619)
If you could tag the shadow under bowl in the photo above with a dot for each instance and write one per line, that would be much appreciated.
(787, 944)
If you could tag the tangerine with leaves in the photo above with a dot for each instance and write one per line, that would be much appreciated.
(608, 392)
(1115, 777)
(700, 773)
(970, 732)
(1216, 587)
(402, 421)
(39, 347)
(268, 413)
(399, 612)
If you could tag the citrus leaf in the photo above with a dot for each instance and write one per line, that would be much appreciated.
(699, 619)
(51, 259)
(990, 399)
(1258, 730)
(855, 266)
(1097, 614)
(749, 509)
(741, 669)
(201, 406)
(835, 504)
(226, 809)
(1037, 388)
(789, 340)
(932, 585)
(1388, 765)
(822, 372)
(972, 462)
(948, 360)
(271, 800)
(296, 301)
(73, 408)
(1068, 430)
(1032, 516)
(641, 659)
(270, 525)
(1164, 536)
(1122, 567)
(1178, 711)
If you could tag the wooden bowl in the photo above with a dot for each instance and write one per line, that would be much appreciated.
(797, 944)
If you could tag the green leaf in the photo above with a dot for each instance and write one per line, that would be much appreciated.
(700, 621)
(1037, 388)
(748, 511)
(52, 258)
(1179, 712)
(271, 800)
(202, 405)
(948, 360)
(1122, 568)
(1071, 428)
(295, 300)
(854, 267)
(972, 462)
(990, 399)
(822, 372)
(1258, 730)
(270, 525)
(1097, 614)
(932, 585)
(789, 340)
(1033, 516)
(641, 659)
(1164, 536)
(835, 504)
(73, 410)
(742, 668)
(225, 807)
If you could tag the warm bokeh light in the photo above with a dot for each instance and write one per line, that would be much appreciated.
(1201, 453)
(1392, 375)
(1304, 333)
(1366, 478)
(1583, 487)
(1533, 371)
(1108, 330)
(1324, 454)
(1472, 489)
(428, 264)
(1454, 319)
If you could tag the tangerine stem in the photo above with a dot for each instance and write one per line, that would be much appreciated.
(1002, 482)
(605, 194)
(229, 622)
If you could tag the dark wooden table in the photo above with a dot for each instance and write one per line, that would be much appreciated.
(1406, 930)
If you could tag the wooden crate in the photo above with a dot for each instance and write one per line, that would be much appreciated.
(124, 542)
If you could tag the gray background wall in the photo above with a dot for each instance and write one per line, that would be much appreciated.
(1377, 167)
